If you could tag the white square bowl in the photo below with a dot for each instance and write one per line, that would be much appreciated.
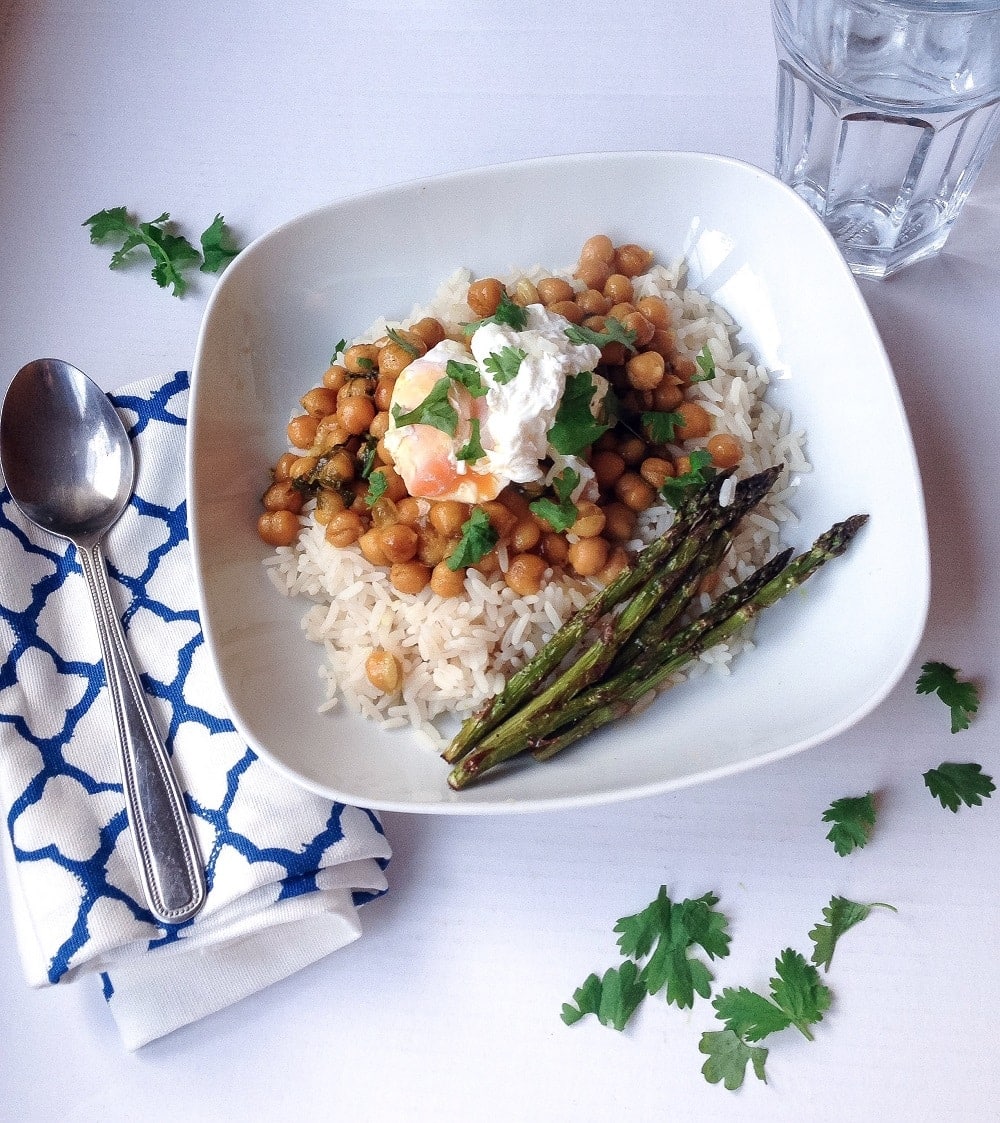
(824, 658)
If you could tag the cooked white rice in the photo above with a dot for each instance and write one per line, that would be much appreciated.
(457, 652)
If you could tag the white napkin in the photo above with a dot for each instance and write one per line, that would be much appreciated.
(286, 869)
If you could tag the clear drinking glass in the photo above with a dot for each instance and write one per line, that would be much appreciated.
(886, 112)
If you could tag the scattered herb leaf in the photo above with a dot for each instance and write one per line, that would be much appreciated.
(473, 449)
(575, 426)
(612, 999)
(840, 915)
(666, 932)
(172, 253)
(504, 364)
(799, 991)
(435, 410)
(478, 538)
(955, 784)
(853, 818)
(217, 246)
(509, 313)
(748, 1014)
(962, 698)
(614, 332)
(659, 427)
(799, 998)
(561, 515)
(364, 363)
(706, 366)
(728, 1056)
(675, 488)
(467, 375)
(338, 350)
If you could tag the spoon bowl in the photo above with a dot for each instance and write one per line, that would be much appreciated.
(75, 477)
(68, 464)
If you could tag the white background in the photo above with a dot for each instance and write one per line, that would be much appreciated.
(448, 1007)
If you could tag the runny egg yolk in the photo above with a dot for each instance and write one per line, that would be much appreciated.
(426, 456)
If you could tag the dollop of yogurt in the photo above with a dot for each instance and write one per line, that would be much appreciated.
(521, 411)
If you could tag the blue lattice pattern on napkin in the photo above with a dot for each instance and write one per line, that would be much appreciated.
(264, 840)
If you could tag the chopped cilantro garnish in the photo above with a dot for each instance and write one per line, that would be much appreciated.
(435, 410)
(467, 375)
(614, 332)
(706, 366)
(473, 448)
(403, 342)
(676, 488)
(575, 426)
(659, 426)
(478, 538)
(377, 486)
(561, 515)
(366, 455)
(505, 364)
(509, 313)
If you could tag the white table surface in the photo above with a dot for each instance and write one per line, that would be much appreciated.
(448, 1006)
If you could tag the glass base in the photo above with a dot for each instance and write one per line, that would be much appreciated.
(872, 243)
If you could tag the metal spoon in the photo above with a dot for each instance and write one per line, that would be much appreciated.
(70, 469)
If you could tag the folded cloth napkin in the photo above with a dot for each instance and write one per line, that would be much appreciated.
(286, 869)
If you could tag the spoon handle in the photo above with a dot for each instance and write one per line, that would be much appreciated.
(168, 855)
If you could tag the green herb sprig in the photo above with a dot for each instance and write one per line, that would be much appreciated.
(172, 253)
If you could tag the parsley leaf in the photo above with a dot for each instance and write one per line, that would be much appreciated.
(962, 698)
(706, 366)
(665, 932)
(613, 999)
(505, 364)
(560, 516)
(614, 332)
(435, 410)
(675, 488)
(853, 818)
(954, 784)
(728, 1056)
(473, 447)
(659, 427)
(478, 538)
(338, 350)
(840, 914)
(217, 246)
(509, 313)
(467, 375)
(378, 484)
(575, 426)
